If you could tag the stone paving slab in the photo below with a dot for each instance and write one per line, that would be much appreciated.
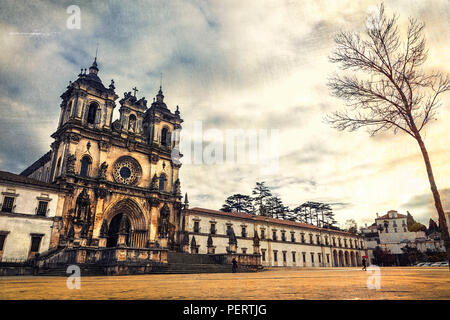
(273, 284)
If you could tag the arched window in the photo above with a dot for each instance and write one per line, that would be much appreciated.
(58, 166)
(85, 166)
(92, 112)
(162, 182)
(132, 123)
(165, 137)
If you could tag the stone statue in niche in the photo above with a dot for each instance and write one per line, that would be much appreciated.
(70, 166)
(164, 221)
(102, 171)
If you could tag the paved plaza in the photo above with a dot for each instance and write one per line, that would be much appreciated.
(279, 284)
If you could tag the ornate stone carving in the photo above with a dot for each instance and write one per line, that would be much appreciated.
(154, 158)
(70, 164)
(154, 183)
(74, 138)
(164, 221)
(177, 187)
(101, 192)
(153, 202)
(83, 207)
(102, 171)
(103, 145)
(131, 145)
(84, 230)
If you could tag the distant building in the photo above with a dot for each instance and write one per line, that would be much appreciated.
(390, 233)
(392, 228)
(281, 243)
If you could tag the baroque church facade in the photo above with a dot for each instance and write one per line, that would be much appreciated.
(115, 175)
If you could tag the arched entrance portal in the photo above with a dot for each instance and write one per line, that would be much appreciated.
(341, 259)
(134, 224)
(114, 229)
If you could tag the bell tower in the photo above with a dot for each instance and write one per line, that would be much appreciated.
(161, 130)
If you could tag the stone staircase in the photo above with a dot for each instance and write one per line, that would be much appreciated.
(55, 263)
(186, 263)
(86, 270)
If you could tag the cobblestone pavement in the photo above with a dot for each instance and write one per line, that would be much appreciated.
(279, 284)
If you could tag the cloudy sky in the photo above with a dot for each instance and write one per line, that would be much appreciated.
(228, 65)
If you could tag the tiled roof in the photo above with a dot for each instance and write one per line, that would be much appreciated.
(12, 177)
(37, 164)
(247, 216)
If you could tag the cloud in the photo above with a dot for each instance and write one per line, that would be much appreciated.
(231, 65)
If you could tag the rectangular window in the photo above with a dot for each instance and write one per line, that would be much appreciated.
(213, 228)
(7, 204)
(320, 257)
(35, 243)
(196, 226)
(328, 258)
(263, 255)
(42, 208)
(274, 235)
(244, 250)
(318, 239)
(283, 236)
(244, 232)
(311, 239)
(275, 255)
(303, 238)
(284, 256)
(293, 256)
(292, 237)
(263, 234)
(304, 257)
(312, 257)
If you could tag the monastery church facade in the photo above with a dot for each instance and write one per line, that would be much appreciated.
(110, 185)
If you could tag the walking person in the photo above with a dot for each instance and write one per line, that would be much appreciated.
(364, 263)
(234, 268)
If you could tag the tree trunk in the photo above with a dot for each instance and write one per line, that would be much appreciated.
(436, 196)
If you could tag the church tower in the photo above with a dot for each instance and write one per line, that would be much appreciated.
(122, 179)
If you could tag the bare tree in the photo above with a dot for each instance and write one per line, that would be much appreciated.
(391, 92)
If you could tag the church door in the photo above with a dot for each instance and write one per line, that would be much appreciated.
(114, 228)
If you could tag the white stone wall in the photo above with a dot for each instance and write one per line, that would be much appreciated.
(18, 241)
(27, 199)
(23, 221)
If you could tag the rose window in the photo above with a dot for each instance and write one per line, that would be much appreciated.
(127, 170)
